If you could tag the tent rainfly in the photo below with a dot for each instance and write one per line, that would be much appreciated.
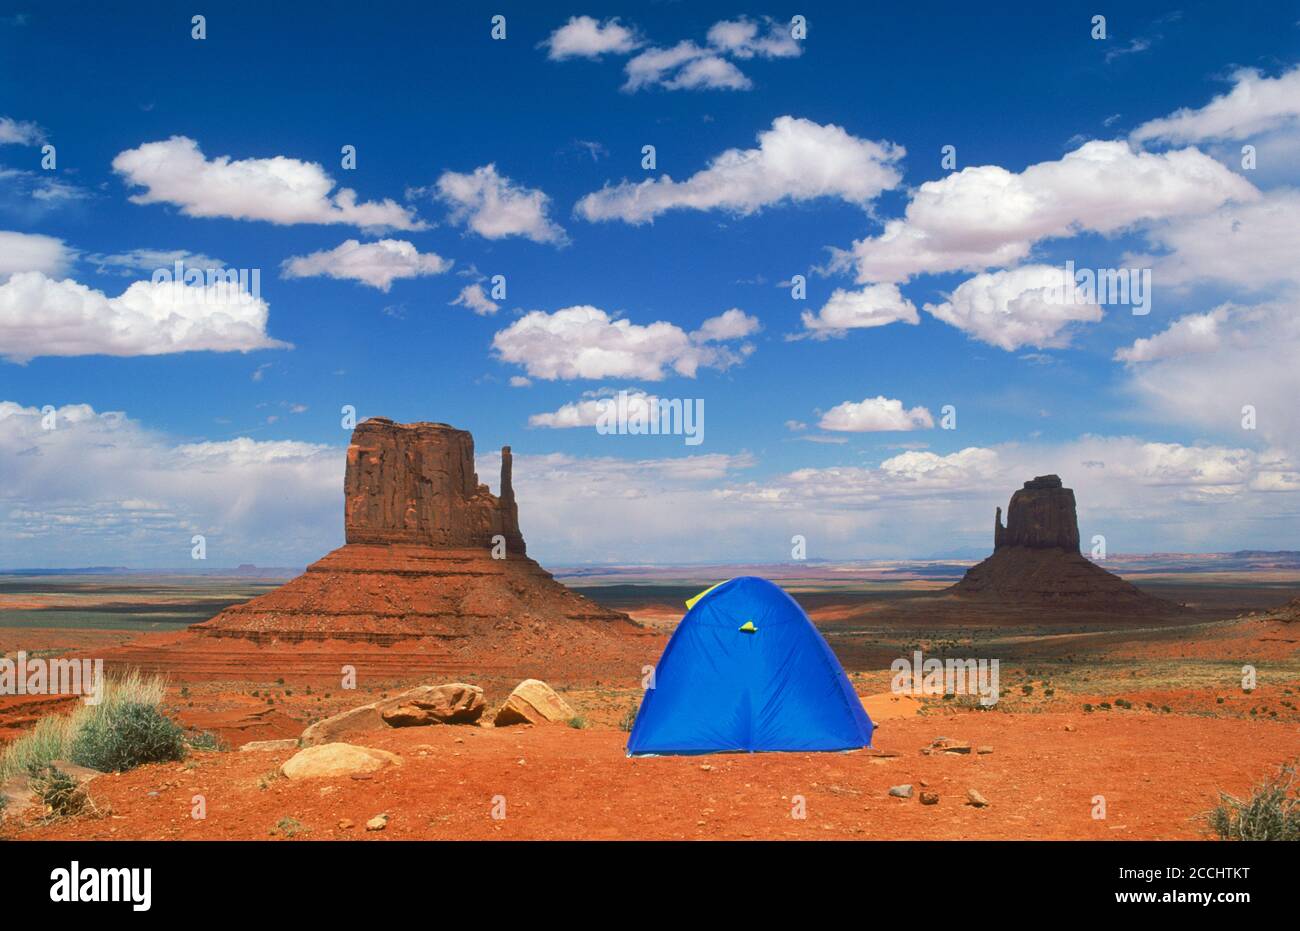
(746, 670)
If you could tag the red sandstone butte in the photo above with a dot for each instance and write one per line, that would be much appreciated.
(1036, 560)
(419, 562)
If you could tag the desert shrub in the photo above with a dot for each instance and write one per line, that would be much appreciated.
(578, 722)
(288, 826)
(52, 736)
(1087, 707)
(1271, 813)
(628, 719)
(59, 792)
(37, 748)
(206, 740)
(125, 736)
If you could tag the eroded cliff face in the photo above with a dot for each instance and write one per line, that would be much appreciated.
(1042, 515)
(416, 484)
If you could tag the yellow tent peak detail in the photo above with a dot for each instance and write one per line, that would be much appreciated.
(749, 628)
(692, 601)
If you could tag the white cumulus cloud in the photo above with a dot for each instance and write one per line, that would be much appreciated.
(586, 342)
(690, 66)
(41, 316)
(876, 414)
(32, 252)
(377, 264)
(278, 190)
(587, 411)
(1255, 104)
(1249, 245)
(987, 216)
(495, 207)
(587, 37)
(871, 306)
(1187, 335)
(1020, 307)
(476, 299)
(796, 160)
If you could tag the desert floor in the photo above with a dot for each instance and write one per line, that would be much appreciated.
(1170, 727)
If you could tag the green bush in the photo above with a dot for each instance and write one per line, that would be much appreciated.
(629, 718)
(1271, 813)
(59, 792)
(289, 827)
(126, 736)
(51, 737)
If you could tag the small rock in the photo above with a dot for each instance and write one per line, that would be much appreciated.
(1069, 727)
(925, 783)
(948, 745)
(345, 824)
(254, 746)
(984, 750)
(903, 791)
(377, 823)
(979, 801)
(929, 798)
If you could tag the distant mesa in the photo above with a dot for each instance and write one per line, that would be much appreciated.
(1036, 559)
(420, 562)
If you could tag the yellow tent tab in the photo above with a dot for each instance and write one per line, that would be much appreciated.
(749, 628)
(691, 602)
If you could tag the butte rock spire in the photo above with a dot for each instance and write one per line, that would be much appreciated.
(1036, 559)
(420, 564)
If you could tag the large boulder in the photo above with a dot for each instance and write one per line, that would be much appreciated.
(362, 720)
(533, 702)
(455, 703)
(336, 759)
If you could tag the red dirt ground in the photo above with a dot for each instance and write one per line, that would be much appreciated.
(1157, 770)
(561, 782)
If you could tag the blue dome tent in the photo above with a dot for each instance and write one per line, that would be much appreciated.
(747, 671)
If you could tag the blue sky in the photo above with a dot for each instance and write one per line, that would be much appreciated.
(244, 443)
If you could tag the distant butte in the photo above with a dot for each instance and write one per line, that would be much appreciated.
(1036, 559)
